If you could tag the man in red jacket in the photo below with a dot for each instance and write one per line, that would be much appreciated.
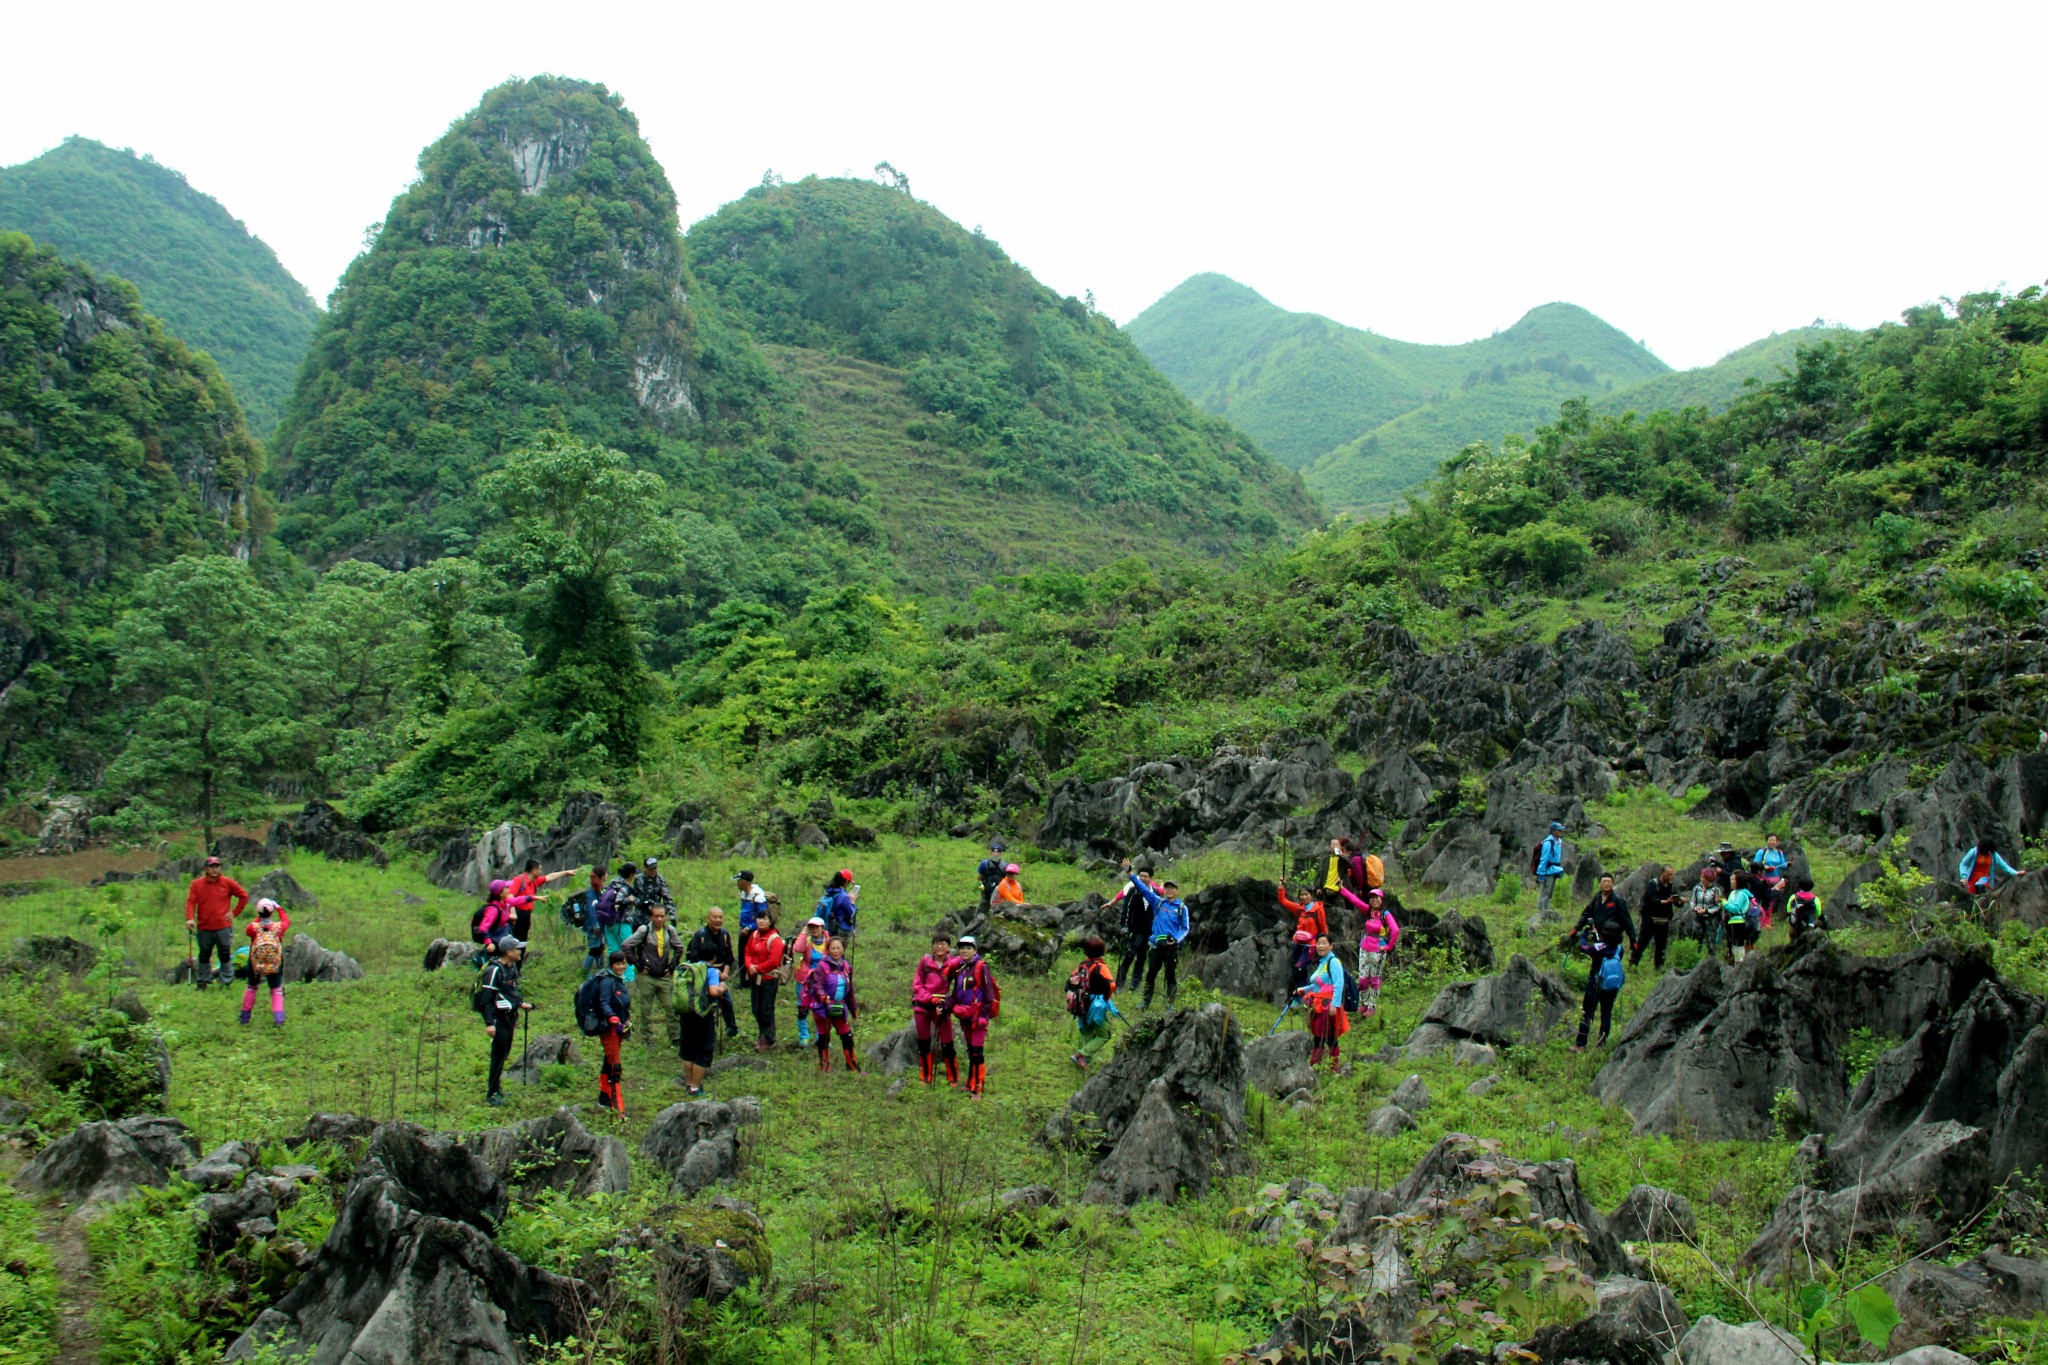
(211, 904)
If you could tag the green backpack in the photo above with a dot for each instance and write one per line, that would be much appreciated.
(692, 988)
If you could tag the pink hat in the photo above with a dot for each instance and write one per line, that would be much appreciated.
(499, 888)
(1304, 936)
(1013, 868)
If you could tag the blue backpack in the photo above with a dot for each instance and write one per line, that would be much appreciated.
(1611, 973)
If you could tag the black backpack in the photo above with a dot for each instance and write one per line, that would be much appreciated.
(588, 1016)
(990, 871)
(476, 923)
(576, 910)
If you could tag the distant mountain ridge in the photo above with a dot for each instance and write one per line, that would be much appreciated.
(1365, 417)
(213, 284)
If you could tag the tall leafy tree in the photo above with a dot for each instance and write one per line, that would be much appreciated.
(580, 524)
(195, 651)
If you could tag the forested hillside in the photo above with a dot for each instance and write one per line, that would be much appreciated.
(215, 286)
(1717, 385)
(1041, 392)
(119, 449)
(1362, 416)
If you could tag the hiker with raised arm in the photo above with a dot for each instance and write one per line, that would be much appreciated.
(1169, 930)
(266, 958)
(1382, 934)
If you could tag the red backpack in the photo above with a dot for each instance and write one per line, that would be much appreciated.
(972, 986)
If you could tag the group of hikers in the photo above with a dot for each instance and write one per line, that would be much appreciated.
(628, 922)
(632, 942)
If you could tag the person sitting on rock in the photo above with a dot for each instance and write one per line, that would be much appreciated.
(1010, 890)
(1660, 901)
(1328, 1020)
(1604, 930)
(1982, 867)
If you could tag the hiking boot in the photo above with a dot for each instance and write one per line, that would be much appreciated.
(245, 1016)
(495, 1099)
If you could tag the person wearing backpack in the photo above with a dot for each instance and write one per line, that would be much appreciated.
(1604, 932)
(698, 985)
(604, 1010)
(1660, 902)
(1372, 873)
(836, 907)
(806, 951)
(1335, 863)
(1090, 990)
(761, 961)
(1803, 910)
(974, 999)
(495, 916)
(654, 951)
(829, 996)
(498, 1000)
(1328, 1021)
(712, 944)
(753, 900)
(1767, 869)
(1168, 930)
(266, 958)
(1382, 933)
(930, 1020)
(1742, 914)
(1547, 864)
(989, 872)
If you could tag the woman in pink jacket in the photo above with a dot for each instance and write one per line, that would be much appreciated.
(1382, 932)
(928, 1010)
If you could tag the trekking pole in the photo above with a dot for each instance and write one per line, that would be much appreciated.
(1284, 1012)
(525, 1057)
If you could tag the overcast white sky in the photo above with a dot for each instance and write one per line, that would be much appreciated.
(1698, 174)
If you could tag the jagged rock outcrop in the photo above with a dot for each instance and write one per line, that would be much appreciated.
(1165, 1113)
(1948, 1305)
(446, 952)
(895, 1054)
(554, 1152)
(1019, 939)
(1518, 1006)
(550, 1049)
(280, 886)
(1650, 1213)
(67, 827)
(1633, 1322)
(1278, 1065)
(1711, 1048)
(305, 960)
(409, 1271)
(1234, 800)
(471, 865)
(697, 1142)
(589, 830)
(319, 828)
(100, 1163)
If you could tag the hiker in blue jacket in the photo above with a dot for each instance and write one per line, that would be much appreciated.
(1169, 928)
(1549, 865)
(1982, 867)
(836, 906)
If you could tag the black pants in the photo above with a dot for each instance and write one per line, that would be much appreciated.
(1134, 959)
(764, 1009)
(214, 941)
(1603, 1000)
(1657, 933)
(1165, 955)
(501, 1048)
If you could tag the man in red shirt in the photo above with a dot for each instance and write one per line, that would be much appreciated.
(212, 902)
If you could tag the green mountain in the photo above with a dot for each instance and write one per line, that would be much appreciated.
(1365, 417)
(1716, 386)
(120, 449)
(1037, 396)
(198, 268)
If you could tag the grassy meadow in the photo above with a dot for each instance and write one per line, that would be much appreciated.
(863, 1190)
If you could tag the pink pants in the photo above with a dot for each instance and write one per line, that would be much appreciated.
(932, 1023)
